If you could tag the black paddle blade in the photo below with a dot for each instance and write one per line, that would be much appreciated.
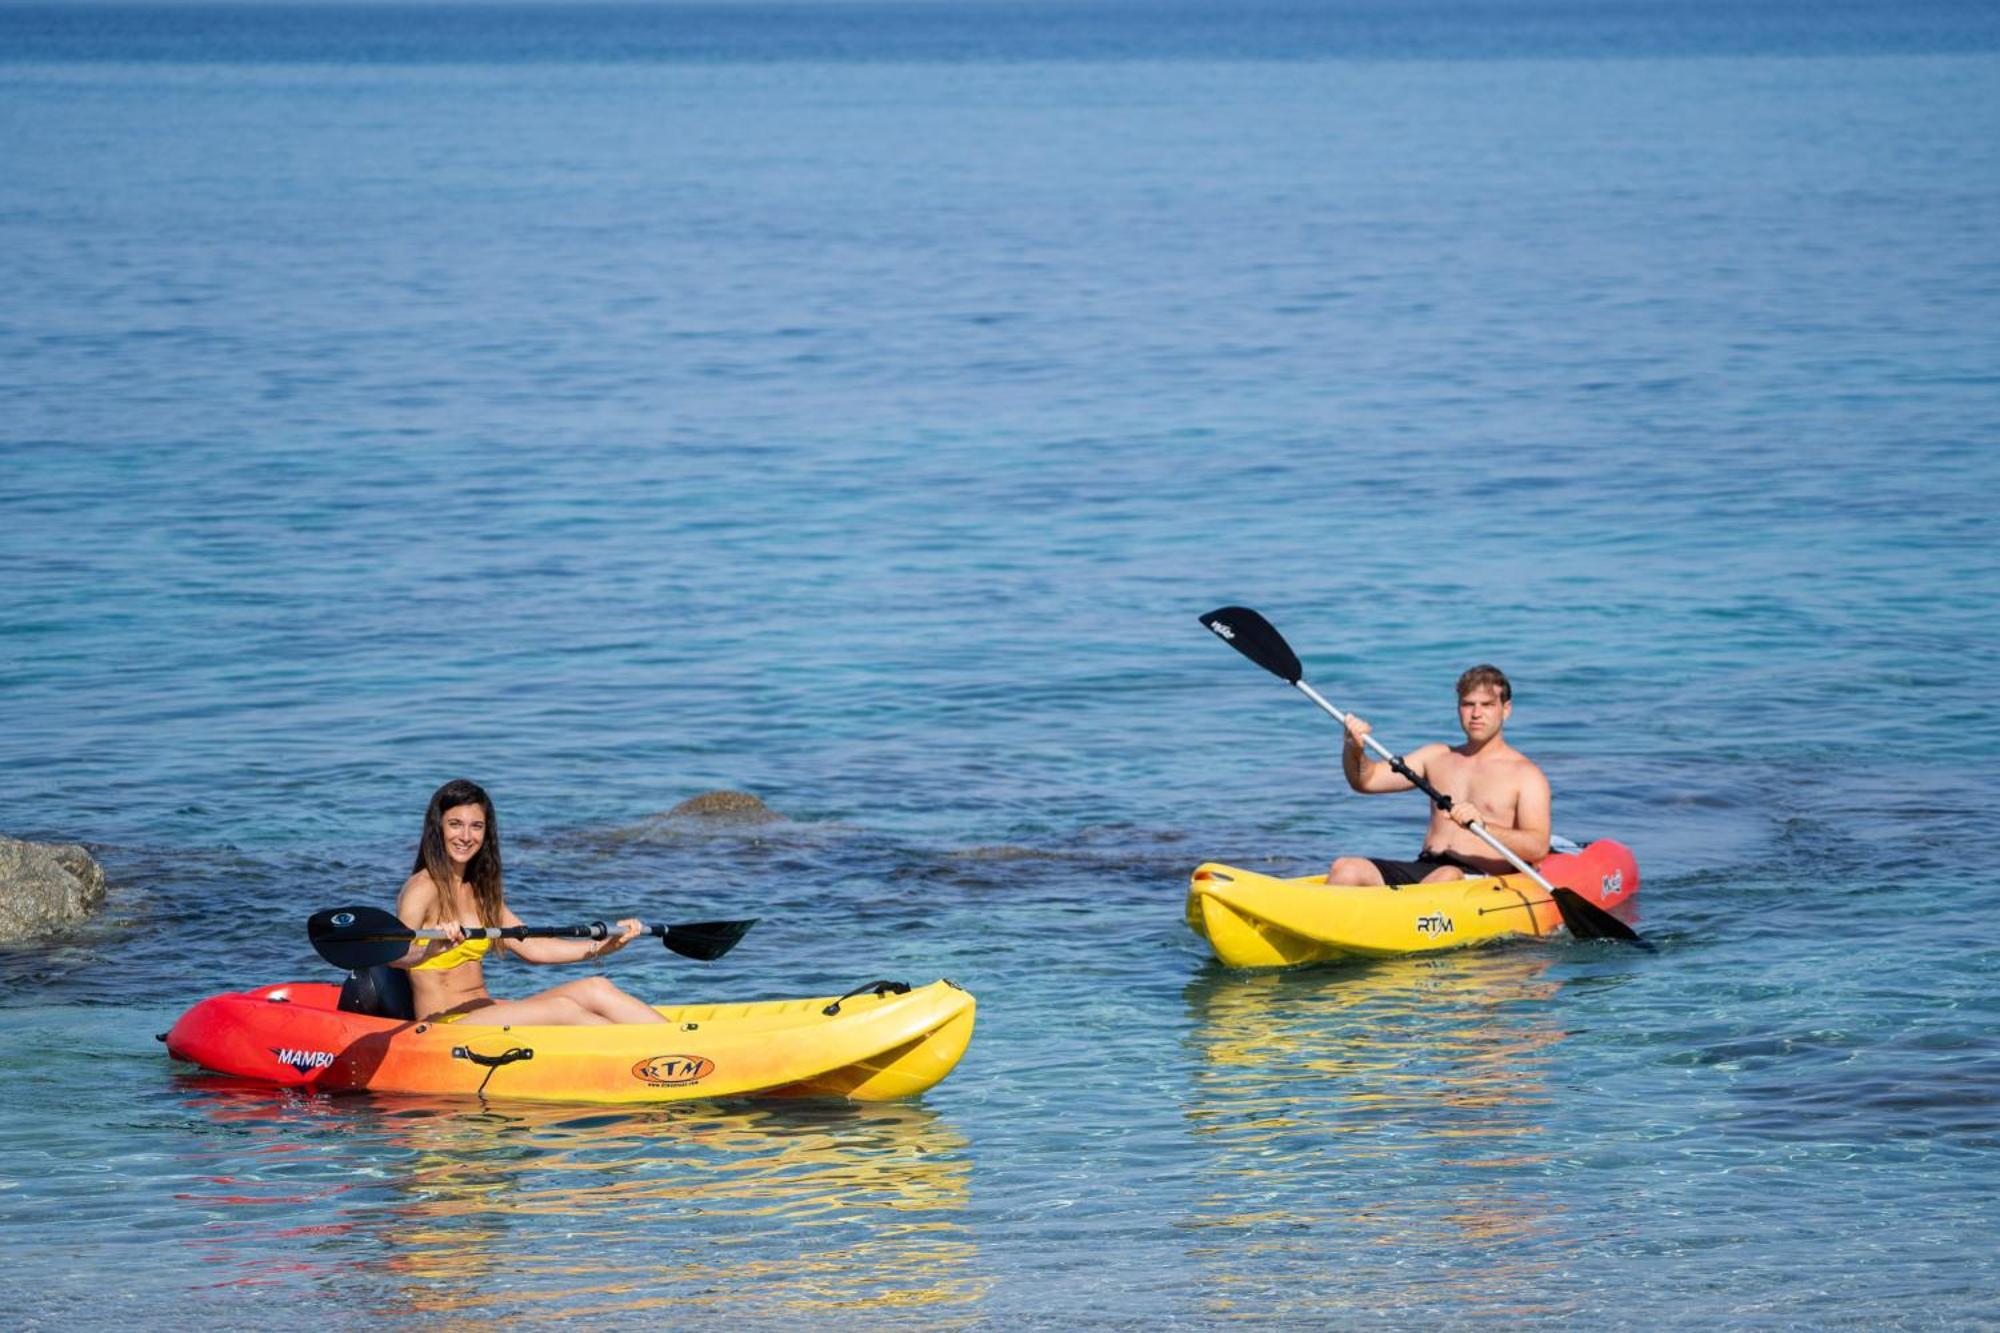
(358, 937)
(1587, 921)
(1252, 635)
(704, 940)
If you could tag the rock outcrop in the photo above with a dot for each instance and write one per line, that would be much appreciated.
(725, 807)
(45, 887)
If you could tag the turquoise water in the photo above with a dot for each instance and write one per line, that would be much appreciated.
(856, 405)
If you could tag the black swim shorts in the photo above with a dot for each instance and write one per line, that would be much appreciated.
(1413, 872)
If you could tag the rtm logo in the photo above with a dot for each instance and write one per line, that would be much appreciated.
(1611, 884)
(304, 1062)
(1222, 627)
(1437, 923)
(673, 1071)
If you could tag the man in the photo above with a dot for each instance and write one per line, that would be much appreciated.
(1487, 779)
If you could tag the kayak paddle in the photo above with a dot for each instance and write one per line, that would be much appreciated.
(1257, 639)
(358, 937)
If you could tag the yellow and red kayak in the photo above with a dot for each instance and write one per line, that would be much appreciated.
(1254, 920)
(882, 1042)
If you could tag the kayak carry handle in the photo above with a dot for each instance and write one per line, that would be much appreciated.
(880, 988)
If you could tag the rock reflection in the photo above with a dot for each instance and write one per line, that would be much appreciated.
(433, 1208)
(1364, 1123)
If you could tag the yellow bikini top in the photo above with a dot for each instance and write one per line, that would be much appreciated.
(465, 951)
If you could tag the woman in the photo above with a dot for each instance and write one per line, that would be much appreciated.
(456, 884)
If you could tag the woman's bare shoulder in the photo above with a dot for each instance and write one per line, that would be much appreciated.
(417, 894)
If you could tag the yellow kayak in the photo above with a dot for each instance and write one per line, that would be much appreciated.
(1254, 920)
(882, 1042)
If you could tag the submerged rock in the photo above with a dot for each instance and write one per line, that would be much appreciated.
(45, 887)
(1001, 852)
(731, 815)
(725, 807)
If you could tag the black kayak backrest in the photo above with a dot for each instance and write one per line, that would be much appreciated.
(379, 992)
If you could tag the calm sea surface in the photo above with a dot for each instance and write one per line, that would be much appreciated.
(855, 404)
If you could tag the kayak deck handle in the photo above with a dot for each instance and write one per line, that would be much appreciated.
(492, 1062)
(880, 988)
(507, 1057)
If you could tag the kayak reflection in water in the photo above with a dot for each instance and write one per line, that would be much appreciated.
(1487, 779)
(456, 884)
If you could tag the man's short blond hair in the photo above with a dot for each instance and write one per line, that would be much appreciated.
(1486, 674)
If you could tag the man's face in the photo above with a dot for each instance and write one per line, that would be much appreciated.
(1482, 713)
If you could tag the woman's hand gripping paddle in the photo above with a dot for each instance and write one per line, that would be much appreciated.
(1255, 637)
(358, 937)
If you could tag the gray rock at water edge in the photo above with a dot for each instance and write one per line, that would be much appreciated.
(45, 887)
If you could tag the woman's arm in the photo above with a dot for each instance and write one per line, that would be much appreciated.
(414, 909)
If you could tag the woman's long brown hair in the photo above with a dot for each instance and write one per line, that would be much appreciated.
(482, 873)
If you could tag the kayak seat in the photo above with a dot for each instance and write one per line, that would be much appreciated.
(379, 992)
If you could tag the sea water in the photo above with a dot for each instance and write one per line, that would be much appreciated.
(855, 404)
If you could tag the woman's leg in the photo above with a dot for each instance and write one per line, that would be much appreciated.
(547, 1009)
(586, 1001)
(603, 1001)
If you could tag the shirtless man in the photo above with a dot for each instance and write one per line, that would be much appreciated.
(1487, 779)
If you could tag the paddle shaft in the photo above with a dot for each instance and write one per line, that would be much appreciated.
(362, 936)
(595, 930)
(1438, 798)
(706, 940)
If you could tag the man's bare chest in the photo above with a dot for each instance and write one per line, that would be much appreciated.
(1494, 788)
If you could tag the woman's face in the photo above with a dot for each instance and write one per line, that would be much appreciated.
(464, 833)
